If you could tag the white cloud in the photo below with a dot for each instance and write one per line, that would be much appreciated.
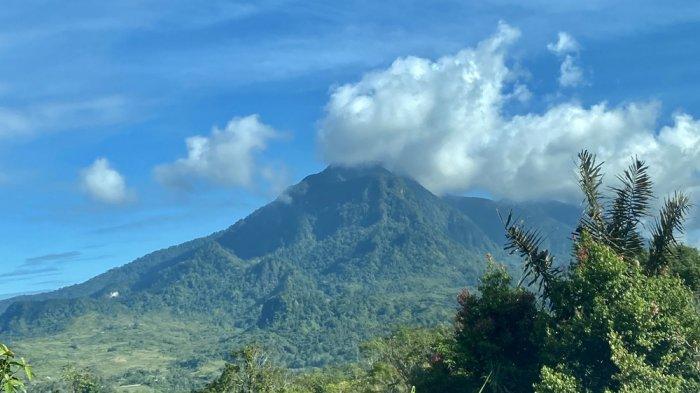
(226, 156)
(566, 44)
(567, 48)
(442, 123)
(570, 74)
(55, 116)
(104, 183)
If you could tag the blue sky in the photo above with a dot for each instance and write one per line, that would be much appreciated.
(129, 83)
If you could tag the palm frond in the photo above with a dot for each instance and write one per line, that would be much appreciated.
(590, 177)
(670, 221)
(629, 207)
(527, 244)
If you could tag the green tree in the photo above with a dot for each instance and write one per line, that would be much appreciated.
(401, 361)
(615, 224)
(11, 371)
(251, 371)
(82, 380)
(686, 266)
(499, 335)
(397, 363)
(621, 319)
(616, 328)
(348, 379)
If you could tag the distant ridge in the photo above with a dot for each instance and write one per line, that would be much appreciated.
(17, 294)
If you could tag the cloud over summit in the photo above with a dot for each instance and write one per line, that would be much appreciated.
(443, 123)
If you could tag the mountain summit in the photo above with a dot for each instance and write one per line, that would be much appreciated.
(343, 255)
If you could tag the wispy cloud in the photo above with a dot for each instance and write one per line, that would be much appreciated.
(26, 273)
(13, 122)
(42, 265)
(47, 265)
(136, 224)
(52, 116)
(58, 257)
(210, 47)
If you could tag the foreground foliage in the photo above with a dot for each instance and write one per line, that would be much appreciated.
(250, 372)
(611, 328)
(499, 334)
(398, 363)
(617, 329)
(13, 371)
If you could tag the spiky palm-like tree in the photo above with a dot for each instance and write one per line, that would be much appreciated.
(670, 220)
(538, 262)
(615, 222)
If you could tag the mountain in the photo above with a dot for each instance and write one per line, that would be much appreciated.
(555, 220)
(343, 255)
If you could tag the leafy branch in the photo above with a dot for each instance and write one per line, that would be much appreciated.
(11, 369)
(670, 220)
(538, 262)
(615, 224)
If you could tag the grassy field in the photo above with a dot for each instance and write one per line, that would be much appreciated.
(131, 351)
(157, 351)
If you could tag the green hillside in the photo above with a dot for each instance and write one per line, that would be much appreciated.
(343, 256)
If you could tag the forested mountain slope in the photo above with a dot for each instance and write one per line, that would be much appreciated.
(343, 255)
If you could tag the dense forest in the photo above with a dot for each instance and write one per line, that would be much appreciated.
(620, 316)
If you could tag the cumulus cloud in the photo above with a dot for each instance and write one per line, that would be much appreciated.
(227, 156)
(567, 48)
(442, 122)
(566, 44)
(103, 183)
